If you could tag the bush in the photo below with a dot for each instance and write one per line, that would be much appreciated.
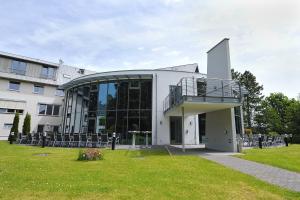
(26, 124)
(90, 154)
(14, 128)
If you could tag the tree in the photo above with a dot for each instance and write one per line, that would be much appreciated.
(254, 96)
(26, 124)
(15, 126)
(274, 112)
(293, 117)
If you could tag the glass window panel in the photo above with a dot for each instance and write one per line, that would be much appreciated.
(102, 96)
(112, 96)
(59, 92)
(146, 95)
(121, 127)
(14, 85)
(134, 99)
(11, 110)
(44, 72)
(38, 89)
(42, 109)
(123, 95)
(133, 120)
(18, 67)
(91, 125)
(135, 84)
(56, 110)
(93, 101)
(86, 91)
(110, 121)
(20, 111)
(49, 110)
(146, 120)
(51, 72)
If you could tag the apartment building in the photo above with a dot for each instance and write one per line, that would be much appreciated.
(29, 85)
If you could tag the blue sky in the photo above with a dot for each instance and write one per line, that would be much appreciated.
(125, 34)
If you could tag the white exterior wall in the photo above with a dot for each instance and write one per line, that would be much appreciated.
(26, 100)
(164, 80)
(220, 125)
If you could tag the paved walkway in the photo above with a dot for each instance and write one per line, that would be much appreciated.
(281, 177)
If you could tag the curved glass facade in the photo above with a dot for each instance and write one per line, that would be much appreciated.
(115, 106)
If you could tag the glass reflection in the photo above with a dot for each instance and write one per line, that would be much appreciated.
(108, 107)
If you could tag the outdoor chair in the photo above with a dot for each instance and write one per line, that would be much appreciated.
(59, 141)
(34, 138)
(83, 139)
(75, 141)
(95, 140)
(40, 138)
(66, 139)
(105, 139)
(22, 138)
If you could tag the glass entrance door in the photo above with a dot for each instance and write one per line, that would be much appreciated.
(176, 130)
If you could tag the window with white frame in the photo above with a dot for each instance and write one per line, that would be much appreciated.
(38, 89)
(7, 125)
(11, 111)
(59, 92)
(13, 85)
(18, 67)
(48, 72)
(48, 109)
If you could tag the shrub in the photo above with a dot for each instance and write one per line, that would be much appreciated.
(14, 128)
(90, 154)
(26, 124)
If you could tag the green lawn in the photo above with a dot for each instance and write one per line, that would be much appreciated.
(123, 175)
(283, 157)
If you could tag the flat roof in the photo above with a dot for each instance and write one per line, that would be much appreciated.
(28, 59)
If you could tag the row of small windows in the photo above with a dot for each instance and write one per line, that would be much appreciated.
(49, 109)
(37, 89)
(10, 111)
(19, 67)
(43, 109)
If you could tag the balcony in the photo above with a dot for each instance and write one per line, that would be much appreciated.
(32, 75)
(204, 95)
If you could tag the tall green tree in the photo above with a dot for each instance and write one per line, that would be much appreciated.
(274, 112)
(254, 96)
(293, 117)
(15, 126)
(26, 124)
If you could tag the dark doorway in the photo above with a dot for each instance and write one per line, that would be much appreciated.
(201, 120)
(40, 128)
(176, 130)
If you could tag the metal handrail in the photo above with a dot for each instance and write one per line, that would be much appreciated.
(213, 87)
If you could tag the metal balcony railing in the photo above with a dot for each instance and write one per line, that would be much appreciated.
(203, 90)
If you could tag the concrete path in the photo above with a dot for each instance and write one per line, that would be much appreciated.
(281, 177)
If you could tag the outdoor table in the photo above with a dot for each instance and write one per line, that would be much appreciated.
(133, 137)
(146, 133)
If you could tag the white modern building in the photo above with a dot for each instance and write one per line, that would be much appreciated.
(165, 106)
(176, 105)
(31, 85)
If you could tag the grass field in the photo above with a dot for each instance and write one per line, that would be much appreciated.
(283, 157)
(123, 174)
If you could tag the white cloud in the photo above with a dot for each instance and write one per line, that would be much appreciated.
(264, 35)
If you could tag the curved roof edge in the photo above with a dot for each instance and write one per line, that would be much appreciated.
(120, 74)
